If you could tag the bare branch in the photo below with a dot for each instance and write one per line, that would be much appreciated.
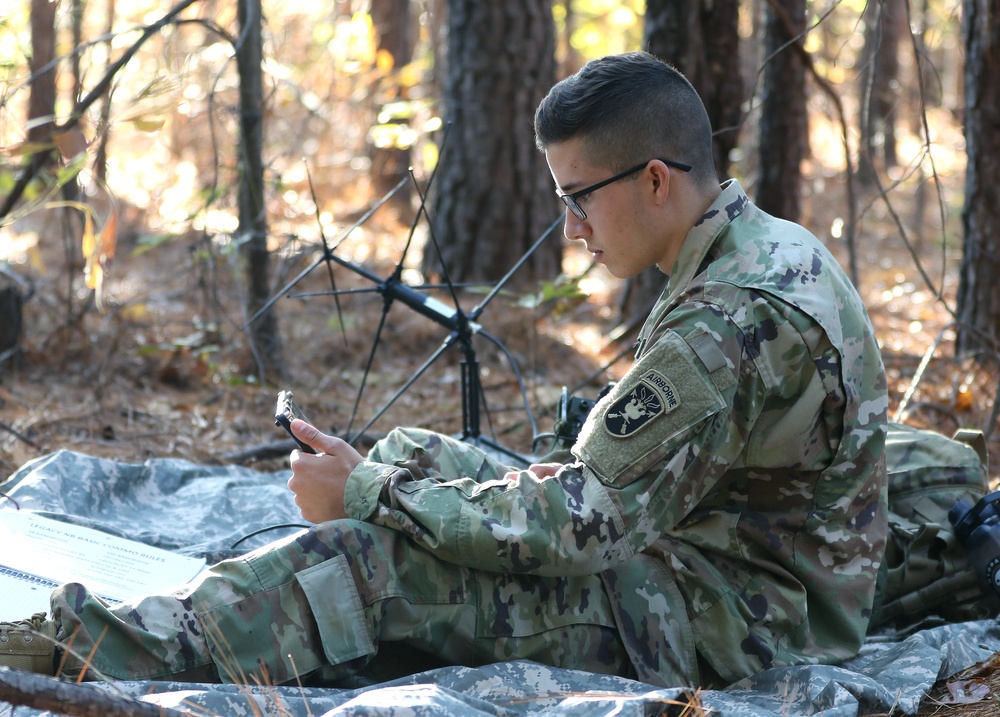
(884, 193)
(37, 160)
(66, 698)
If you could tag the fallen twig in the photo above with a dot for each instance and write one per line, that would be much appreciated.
(20, 436)
(47, 693)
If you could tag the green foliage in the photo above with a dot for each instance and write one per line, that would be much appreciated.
(148, 242)
(43, 186)
(71, 171)
(401, 124)
(563, 289)
(602, 27)
(341, 321)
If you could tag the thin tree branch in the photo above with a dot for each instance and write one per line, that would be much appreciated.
(37, 160)
(108, 36)
(66, 698)
(884, 193)
(927, 133)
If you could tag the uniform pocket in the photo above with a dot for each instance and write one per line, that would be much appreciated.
(343, 626)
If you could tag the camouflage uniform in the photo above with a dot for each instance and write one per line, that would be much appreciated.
(725, 510)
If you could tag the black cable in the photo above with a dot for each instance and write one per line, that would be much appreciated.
(517, 375)
(264, 530)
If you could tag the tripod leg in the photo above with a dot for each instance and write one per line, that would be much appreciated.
(426, 365)
(368, 367)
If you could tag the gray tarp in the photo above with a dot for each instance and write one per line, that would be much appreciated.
(203, 510)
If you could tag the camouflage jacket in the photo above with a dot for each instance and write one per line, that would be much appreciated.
(731, 488)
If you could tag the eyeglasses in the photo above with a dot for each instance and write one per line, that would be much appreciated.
(570, 199)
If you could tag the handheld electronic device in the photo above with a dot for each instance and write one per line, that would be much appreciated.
(287, 410)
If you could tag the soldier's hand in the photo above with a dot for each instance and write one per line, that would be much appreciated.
(545, 470)
(318, 481)
(541, 470)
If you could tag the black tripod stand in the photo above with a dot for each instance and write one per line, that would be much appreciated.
(463, 328)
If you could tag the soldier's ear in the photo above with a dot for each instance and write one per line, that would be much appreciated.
(659, 177)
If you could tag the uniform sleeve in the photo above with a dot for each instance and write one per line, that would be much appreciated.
(648, 451)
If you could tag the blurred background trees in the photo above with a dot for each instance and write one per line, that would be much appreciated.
(130, 128)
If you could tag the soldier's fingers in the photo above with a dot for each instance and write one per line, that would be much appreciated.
(312, 436)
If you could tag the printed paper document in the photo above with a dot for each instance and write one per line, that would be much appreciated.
(38, 554)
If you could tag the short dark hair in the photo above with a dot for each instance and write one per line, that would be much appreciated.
(629, 108)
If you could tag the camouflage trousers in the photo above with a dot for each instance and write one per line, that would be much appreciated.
(329, 599)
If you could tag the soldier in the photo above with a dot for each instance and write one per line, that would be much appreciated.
(722, 512)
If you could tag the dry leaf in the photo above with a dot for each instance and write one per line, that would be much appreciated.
(148, 124)
(384, 60)
(70, 142)
(962, 692)
(88, 246)
(135, 312)
(109, 238)
(411, 74)
(98, 251)
(28, 148)
(963, 400)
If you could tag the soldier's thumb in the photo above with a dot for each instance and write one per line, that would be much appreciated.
(312, 436)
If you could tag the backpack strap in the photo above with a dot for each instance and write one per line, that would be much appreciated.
(933, 567)
(976, 439)
(959, 587)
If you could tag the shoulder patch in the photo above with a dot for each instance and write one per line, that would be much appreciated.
(652, 397)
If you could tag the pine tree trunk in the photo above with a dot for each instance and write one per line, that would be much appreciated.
(701, 39)
(979, 290)
(784, 124)
(42, 96)
(494, 196)
(41, 120)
